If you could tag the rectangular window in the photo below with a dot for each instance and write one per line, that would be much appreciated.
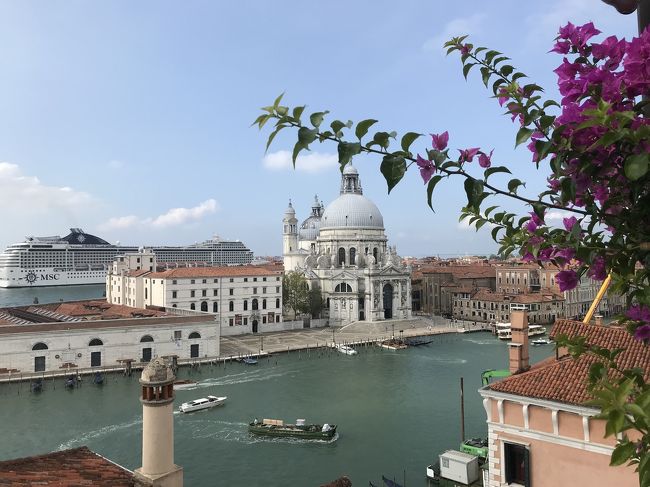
(192, 293)
(204, 281)
(232, 292)
(232, 280)
(254, 290)
(263, 290)
(517, 464)
(192, 281)
(216, 281)
(174, 294)
(177, 334)
(230, 322)
(277, 289)
(174, 281)
(245, 279)
(264, 279)
(204, 292)
(255, 279)
(214, 292)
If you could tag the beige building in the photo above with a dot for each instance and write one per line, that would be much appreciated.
(248, 297)
(540, 431)
(484, 306)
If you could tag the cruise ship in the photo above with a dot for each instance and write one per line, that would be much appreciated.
(82, 258)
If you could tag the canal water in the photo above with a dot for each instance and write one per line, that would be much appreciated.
(394, 410)
(24, 296)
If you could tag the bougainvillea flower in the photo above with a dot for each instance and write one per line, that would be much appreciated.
(638, 313)
(565, 255)
(427, 168)
(569, 223)
(439, 141)
(567, 280)
(485, 160)
(467, 155)
(597, 270)
(642, 333)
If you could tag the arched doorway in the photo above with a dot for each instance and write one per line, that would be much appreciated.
(204, 306)
(388, 301)
(254, 326)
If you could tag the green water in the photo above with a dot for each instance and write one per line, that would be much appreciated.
(24, 296)
(394, 410)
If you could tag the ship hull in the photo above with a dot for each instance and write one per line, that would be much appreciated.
(17, 278)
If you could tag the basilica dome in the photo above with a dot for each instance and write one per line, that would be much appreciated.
(351, 209)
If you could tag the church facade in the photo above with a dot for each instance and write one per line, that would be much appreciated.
(343, 251)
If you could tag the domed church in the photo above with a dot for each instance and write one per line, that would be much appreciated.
(343, 251)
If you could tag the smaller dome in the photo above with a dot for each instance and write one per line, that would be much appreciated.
(157, 371)
(350, 169)
(290, 209)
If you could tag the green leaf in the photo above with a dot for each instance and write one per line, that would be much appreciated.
(261, 120)
(363, 126)
(496, 84)
(337, 125)
(432, 184)
(474, 192)
(346, 151)
(272, 136)
(467, 68)
(491, 170)
(393, 168)
(306, 136)
(539, 210)
(523, 135)
(636, 166)
(316, 118)
(513, 184)
(296, 150)
(489, 56)
(506, 70)
(380, 139)
(494, 232)
(485, 75)
(622, 453)
(407, 139)
(297, 112)
(499, 60)
(614, 423)
(277, 101)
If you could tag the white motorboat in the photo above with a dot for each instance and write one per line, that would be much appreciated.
(203, 403)
(345, 349)
(183, 384)
(540, 341)
(533, 330)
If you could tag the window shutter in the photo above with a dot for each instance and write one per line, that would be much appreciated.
(526, 467)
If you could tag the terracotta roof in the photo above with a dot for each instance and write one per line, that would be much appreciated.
(565, 379)
(102, 310)
(225, 271)
(67, 468)
(463, 271)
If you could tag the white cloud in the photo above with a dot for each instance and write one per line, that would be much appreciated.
(556, 215)
(454, 28)
(171, 218)
(115, 164)
(464, 225)
(312, 162)
(27, 194)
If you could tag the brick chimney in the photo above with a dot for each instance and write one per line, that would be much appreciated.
(518, 348)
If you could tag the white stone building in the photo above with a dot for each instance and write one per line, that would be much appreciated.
(343, 252)
(87, 334)
(247, 297)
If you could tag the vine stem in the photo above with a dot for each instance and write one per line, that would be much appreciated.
(496, 190)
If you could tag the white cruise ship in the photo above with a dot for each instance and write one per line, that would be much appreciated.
(81, 258)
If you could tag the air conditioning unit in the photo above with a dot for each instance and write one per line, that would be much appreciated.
(459, 467)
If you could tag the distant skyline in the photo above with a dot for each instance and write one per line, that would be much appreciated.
(132, 120)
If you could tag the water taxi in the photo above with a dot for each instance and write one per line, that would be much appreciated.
(345, 349)
(276, 427)
(533, 330)
(203, 403)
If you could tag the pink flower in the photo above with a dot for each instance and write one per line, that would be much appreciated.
(564, 255)
(598, 270)
(567, 280)
(427, 168)
(439, 141)
(528, 257)
(503, 96)
(485, 160)
(464, 49)
(637, 68)
(642, 333)
(638, 312)
(569, 223)
(610, 49)
(466, 155)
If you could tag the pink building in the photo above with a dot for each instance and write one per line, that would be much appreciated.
(540, 432)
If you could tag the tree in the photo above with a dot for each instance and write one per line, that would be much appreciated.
(295, 292)
(315, 302)
(595, 148)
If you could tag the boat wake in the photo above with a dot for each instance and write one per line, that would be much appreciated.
(241, 378)
(87, 436)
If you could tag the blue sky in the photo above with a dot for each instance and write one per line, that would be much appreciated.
(132, 119)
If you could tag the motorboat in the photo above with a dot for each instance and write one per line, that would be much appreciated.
(249, 361)
(183, 384)
(202, 403)
(98, 378)
(540, 341)
(533, 330)
(276, 427)
(345, 349)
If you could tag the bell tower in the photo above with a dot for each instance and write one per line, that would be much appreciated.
(158, 468)
(289, 230)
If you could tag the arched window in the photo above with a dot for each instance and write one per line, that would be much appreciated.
(245, 305)
(146, 338)
(254, 305)
(192, 306)
(39, 346)
(341, 256)
(231, 306)
(194, 334)
(343, 287)
(204, 305)
(174, 306)
(375, 254)
(353, 254)
(277, 303)
(215, 307)
(264, 304)
(95, 342)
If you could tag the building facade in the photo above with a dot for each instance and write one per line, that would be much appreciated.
(343, 251)
(248, 297)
